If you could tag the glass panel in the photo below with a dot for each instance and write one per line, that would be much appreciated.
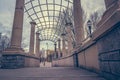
(49, 16)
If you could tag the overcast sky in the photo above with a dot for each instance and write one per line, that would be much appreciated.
(7, 14)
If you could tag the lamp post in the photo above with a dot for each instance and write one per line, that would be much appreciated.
(89, 25)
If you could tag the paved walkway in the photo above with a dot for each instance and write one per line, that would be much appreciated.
(51, 73)
(46, 64)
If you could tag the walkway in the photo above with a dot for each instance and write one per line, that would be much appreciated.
(50, 73)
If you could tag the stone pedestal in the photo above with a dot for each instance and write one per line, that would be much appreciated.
(19, 60)
(32, 61)
(12, 61)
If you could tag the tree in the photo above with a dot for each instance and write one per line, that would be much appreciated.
(95, 17)
(24, 45)
(85, 15)
(4, 42)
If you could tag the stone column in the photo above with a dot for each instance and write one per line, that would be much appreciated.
(55, 50)
(59, 47)
(63, 44)
(17, 29)
(37, 43)
(32, 37)
(78, 22)
(55, 47)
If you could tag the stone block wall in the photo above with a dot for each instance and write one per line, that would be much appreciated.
(0, 60)
(64, 62)
(102, 56)
(82, 59)
(88, 58)
(32, 62)
(13, 61)
(109, 54)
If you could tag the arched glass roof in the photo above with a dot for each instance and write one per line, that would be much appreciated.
(49, 16)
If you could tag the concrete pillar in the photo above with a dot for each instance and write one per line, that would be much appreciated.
(32, 37)
(59, 47)
(17, 29)
(108, 3)
(63, 44)
(37, 44)
(78, 22)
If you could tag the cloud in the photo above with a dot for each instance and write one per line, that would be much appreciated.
(91, 6)
(4, 30)
(6, 16)
(7, 12)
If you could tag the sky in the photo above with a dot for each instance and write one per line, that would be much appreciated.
(7, 14)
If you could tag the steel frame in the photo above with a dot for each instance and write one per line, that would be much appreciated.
(57, 21)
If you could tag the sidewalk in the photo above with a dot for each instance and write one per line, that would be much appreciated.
(46, 64)
(48, 73)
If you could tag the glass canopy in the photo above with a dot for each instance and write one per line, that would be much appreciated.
(50, 16)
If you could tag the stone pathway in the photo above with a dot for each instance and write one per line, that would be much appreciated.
(45, 64)
(51, 73)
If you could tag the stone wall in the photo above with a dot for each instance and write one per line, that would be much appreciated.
(63, 62)
(0, 60)
(32, 62)
(100, 55)
(109, 53)
(18, 60)
(104, 55)
(88, 58)
(13, 61)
